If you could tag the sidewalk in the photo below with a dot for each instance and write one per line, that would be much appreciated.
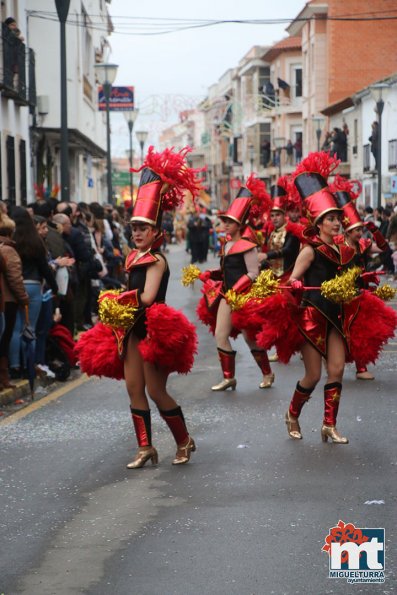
(14, 399)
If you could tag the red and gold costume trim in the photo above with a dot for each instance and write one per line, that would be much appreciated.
(241, 246)
(144, 260)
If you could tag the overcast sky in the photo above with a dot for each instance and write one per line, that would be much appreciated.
(172, 72)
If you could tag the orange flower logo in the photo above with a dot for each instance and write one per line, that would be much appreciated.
(343, 533)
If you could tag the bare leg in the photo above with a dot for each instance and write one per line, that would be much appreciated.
(156, 383)
(134, 375)
(225, 352)
(335, 357)
(223, 326)
(312, 361)
(156, 380)
(135, 384)
(333, 388)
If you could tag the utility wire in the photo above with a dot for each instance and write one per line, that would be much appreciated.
(144, 26)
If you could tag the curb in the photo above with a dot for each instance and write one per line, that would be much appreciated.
(10, 395)
(14, 399)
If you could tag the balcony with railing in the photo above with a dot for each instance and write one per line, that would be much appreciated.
(392, 161)
(14, 57)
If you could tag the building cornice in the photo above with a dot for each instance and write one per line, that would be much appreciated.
(307, 13)
(76, 139)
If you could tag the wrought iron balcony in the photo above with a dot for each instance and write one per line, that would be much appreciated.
(13, 57)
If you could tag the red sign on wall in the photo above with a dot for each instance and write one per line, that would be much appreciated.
(121, 99)
(235, 183)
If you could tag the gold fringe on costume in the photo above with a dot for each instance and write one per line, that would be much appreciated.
(114, 314)
(189, 275)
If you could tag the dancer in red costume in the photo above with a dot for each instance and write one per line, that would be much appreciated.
(282, 246)
(353, 231)
(239, 268)
(320, 320)
(159, 339)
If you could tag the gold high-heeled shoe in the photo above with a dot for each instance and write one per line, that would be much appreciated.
(293, 427)
(332, 433)
(225, 384)
(142, 457)
(365, 375)
(267, 381)
(183, 452)
(273, 357)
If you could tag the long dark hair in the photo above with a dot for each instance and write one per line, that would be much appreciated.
(29, 244)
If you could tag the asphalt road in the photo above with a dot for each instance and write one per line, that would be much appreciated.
(247, 516)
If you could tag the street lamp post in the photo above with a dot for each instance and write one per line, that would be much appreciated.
(229, 177)
(130, 117)
(377, 92)
(279, 143)
(251, 157)
(141, 136)
(318, 121)
(62, 7)
(106, 74)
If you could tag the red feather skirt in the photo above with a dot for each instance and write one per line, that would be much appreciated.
(97, 353)
(171, 344)
(279, 327)
(373, 325)
(171, 341)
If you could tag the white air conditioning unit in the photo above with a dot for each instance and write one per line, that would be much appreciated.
(43, 105)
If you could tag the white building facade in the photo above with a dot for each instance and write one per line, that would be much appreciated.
(87, 28)
(17, 97)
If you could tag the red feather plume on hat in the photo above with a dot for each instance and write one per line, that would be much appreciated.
(352, 187)
(173, 170)
(261, 198)
(318, 162)
(292, 199)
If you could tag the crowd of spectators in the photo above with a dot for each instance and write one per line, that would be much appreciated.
(385, 218)
(55, 258)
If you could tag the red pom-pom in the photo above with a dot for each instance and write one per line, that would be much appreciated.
(250, 317)
(65, 340)
(297, 230)
(373, 326)
(172, 168)
(261, 198)
(171, 340)
(319, 162)
(96, 351)
(340, 184)
(206, 316)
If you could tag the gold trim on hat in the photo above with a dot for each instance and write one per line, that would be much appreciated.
(143, 220)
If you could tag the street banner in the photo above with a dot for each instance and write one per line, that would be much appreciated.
(121, 99)
(120, 178)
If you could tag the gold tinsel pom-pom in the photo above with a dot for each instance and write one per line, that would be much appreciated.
(342, 288)
(385, 292)
(112, 313)
(190, 274)
(265, 285)
(236, 300)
